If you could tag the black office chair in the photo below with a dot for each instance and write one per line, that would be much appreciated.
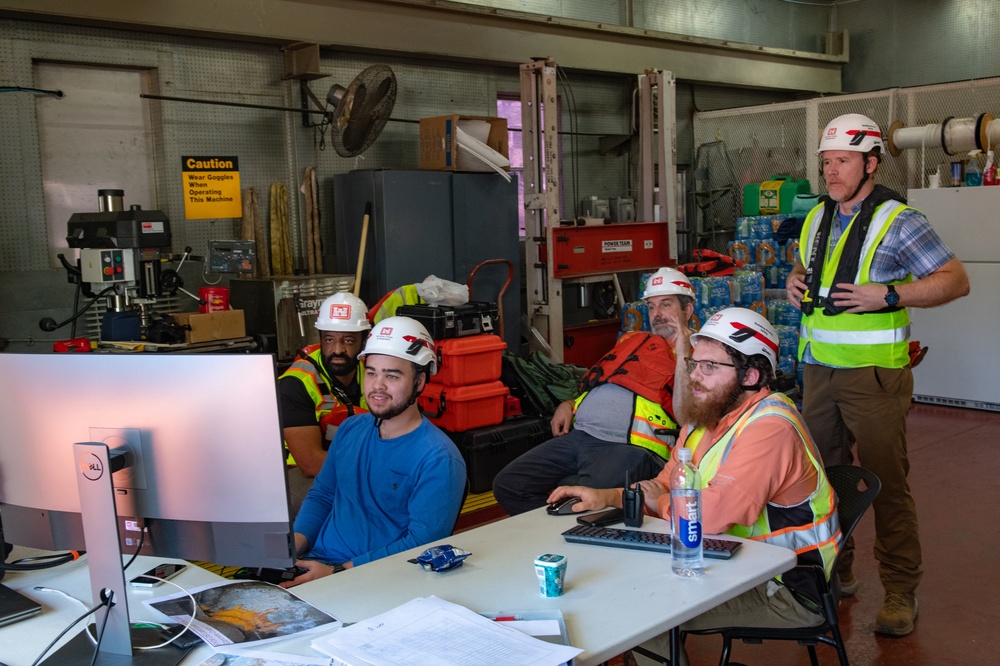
(856, 488)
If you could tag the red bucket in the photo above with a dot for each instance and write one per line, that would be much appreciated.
(216, 299)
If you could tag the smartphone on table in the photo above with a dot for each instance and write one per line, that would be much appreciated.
(602, 518)
(164, 571)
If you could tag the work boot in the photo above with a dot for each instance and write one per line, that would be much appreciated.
(897, 614)
(849, 584)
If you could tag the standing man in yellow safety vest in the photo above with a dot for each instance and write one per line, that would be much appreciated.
(866, 258)
(321, 389)
(620, 423)
(762, 477)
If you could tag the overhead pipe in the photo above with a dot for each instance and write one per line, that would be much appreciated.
(954, 135)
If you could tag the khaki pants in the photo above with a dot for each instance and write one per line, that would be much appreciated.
(753, 608)
(868, 407)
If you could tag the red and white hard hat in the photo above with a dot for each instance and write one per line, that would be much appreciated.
(403, 338)
(851, 131)
(343, 312)
(667, 281)
(744, 330)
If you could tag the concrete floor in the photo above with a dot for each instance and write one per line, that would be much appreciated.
(954, 473)
(955, 477)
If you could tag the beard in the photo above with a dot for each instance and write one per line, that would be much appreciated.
(340, 365)
(709, 408)
(663, 328)
(392, 409)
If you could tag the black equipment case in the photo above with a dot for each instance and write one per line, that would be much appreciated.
(453, 321)
(488, 450)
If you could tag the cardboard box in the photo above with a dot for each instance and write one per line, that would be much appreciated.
(206, 326)
(439, 146)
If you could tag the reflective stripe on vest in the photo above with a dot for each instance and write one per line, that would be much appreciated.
(810, 528)
(854, 340)
(647, 418)
(305, 371)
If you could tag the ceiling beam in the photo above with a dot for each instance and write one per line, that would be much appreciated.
(450, 30)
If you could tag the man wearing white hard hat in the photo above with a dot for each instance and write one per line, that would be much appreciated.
(866, 258)
(392, 480)
(623, 422)
(762, 477)
(321, 388)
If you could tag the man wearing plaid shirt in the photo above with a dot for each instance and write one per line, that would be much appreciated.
(866, 258)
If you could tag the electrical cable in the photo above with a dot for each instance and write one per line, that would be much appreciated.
(574, 139)
(194, 612)
(109, 601)
(49, 324)
(63, 632)
(42, 561)
(76, 304)
(142, 540)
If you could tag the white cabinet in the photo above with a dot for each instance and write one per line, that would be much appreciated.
(962, 366)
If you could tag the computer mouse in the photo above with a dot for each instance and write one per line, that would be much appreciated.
(563, 507)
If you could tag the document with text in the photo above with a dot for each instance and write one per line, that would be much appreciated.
(433, 632)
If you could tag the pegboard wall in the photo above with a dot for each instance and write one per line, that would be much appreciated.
(752, 144)
(272, 146)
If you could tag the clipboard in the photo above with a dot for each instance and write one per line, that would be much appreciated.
(540, 619)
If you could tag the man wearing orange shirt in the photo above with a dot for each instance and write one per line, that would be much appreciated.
(761, 472)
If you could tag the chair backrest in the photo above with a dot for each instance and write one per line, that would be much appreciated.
(856, 488)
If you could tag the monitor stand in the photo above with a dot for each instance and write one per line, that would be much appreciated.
(94, 467)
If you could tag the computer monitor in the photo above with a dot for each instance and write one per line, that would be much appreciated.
(206, 464)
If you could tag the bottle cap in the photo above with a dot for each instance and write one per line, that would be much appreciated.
(683, 454)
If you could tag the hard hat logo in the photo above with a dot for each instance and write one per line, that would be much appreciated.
(744, 333)
(342, 311)
(858, 136)
(832, 131)
(386, 330)
(416, 343)
(656, 280)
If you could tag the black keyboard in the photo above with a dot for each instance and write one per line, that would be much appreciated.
(720, 549)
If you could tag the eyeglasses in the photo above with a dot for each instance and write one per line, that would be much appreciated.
(707, 367)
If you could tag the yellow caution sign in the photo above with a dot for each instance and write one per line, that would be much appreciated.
(211, 187)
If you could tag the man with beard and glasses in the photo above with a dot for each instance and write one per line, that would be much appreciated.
(623, 422)
(762, 476)
(392, 480)
(321, 388)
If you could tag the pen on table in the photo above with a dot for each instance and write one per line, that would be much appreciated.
(507, 618)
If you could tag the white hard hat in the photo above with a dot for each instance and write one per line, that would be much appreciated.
(343, 312)
(851, 131)
(667, 281)
(403, 338)
(744, 330)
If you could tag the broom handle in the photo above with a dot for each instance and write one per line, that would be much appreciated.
(361, 249)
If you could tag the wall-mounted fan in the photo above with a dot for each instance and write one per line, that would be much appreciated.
(361, 109)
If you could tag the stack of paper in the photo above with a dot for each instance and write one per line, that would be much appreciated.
(433, 632)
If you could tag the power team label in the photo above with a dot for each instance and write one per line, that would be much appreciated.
(211, 187)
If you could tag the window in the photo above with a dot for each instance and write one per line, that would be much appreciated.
(509, 107)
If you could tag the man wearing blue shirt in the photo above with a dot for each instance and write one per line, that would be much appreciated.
(866, 257)
(391, 481)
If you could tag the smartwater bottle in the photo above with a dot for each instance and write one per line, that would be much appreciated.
(685, 516)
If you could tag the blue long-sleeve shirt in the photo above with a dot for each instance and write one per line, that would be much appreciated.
(374, 497)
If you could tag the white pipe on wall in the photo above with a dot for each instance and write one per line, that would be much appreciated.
(954, 135)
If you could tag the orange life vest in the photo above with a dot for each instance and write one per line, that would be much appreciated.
(641, 362)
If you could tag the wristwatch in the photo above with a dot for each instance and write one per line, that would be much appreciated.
(337, 568)
(891, 297)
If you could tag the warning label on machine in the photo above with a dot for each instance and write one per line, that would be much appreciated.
(211, 187)
(616, 245)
